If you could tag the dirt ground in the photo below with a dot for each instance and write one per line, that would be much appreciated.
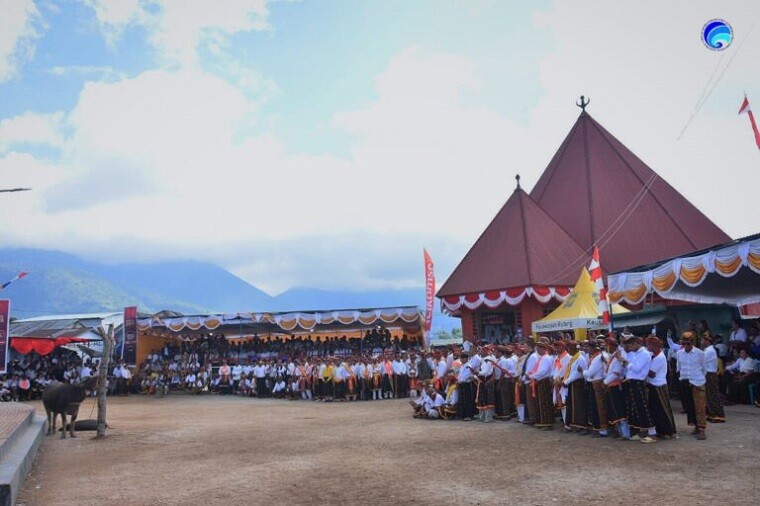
(231, 450)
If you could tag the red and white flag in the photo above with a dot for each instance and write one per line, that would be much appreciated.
(20, 275)
(746, 109)
(596, 276)
(429, 290)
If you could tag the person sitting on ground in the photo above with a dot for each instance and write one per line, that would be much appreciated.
(419, 405)
(278, 391)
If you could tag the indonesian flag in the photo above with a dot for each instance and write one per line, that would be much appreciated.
(20, 275)
(429, 290)
(746, 109)
(596, 276)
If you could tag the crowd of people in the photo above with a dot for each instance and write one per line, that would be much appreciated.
(27, 377)
(606, 386)
(617, 387)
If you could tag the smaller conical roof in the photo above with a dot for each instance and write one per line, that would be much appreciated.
(579, 310)
(523, 246)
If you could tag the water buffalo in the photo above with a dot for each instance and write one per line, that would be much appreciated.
(64, 399)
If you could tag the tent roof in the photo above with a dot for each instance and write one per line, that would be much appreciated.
(280, 322)
(726, 274)
(601, 193)
(579, 310)
(522, 246)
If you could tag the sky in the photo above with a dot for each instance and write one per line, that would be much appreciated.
(325, 143)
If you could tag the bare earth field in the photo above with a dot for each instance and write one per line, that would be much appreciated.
(231, 450)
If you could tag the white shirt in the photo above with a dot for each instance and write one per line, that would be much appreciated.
(465, 374)
(614, 372)
(711, 359)
(398, 367)
(574, 374)
(691, 366)
(638, 365)
(441, 367)
(559, 372)
(544, 370)
(486, 367)
(530, 362)
(738, 335)
(659, 365)
(595, 371)
(743, 365)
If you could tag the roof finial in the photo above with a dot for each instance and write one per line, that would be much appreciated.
(518, 181)
(583, 103)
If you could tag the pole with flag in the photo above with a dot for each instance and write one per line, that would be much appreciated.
(596, 276)
(429, 294)
(745, 109)
(20, 275)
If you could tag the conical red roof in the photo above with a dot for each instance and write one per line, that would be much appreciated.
(523, 246)
(600, 192)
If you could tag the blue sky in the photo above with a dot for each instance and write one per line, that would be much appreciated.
(324, 144)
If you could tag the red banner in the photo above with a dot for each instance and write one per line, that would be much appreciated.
(5, 316)
(429, 290)
(129, 346)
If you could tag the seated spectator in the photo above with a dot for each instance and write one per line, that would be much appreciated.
(743, 373)
(278, 391)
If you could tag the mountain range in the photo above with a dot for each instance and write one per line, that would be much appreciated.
(61, 283)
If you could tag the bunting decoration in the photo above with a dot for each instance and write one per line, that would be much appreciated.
(596, 277)
(20, 275)
(745, 109)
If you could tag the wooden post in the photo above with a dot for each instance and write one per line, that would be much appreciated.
(105, 363)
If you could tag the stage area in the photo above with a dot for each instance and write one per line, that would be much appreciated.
(231, 450)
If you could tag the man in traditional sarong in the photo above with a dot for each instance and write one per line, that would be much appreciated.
(575, 404)
(352, 375)
(400, 378)
(504, 371)
(659, 395)
(594, 376)
(440, 368)
(531, 414)
(387, 378)
(715, 413)
(541, 385)
(559, 391)
(691, 370)
(520, 365)
(466, 406)
(317, 383)
(486, 387)
(636, 372)
(615, 398)
(377, 379)
(328, 388)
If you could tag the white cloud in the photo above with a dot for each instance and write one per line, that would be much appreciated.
(31, 128)
(64, 70)
(644, 67)
(177, 28)
(20, 25)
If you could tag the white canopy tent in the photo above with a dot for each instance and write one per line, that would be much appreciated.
(725, 274)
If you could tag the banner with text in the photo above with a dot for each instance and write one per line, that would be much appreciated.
(5, 316)
(129, 346)
(429, 290)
